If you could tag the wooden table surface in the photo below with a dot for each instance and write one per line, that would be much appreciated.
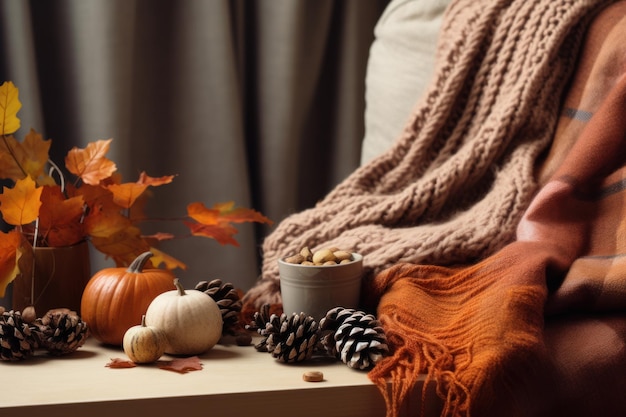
(235, 381)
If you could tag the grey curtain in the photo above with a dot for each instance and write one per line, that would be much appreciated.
(256, 101)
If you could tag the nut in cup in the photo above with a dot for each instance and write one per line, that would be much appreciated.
(315, 289)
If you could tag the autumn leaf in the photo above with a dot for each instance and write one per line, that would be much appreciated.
(124, 195)
(119, 363)
(159, 257)
(20, 205)
(9, 106)
(18, 159)
(123, 246)
(224, 212)
(215, 222)
(9, 257)
(181, 365)
(148, 180)
(60, 217)
(104, 223)
(159, 236)
(90, 164)
(223, 233)
(97, 198)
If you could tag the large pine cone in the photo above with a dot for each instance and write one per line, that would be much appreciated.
(287, 338)
(354, 337)
(62, 331)
(18, 339)
(227, 299)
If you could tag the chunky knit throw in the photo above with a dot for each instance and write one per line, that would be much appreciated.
(457, 181)
(517, 305)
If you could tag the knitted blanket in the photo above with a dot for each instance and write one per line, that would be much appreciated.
(538, 328)
(494, 228)
(455, 184)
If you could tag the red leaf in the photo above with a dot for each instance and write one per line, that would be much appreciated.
(118, 363)
(181, 365)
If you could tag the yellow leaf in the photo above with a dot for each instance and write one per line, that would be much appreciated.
(90, 164)
(160, 257)
(9, 106)
(9, 257)
(20, 205)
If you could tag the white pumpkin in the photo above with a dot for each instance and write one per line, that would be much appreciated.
(144, 344)
(191, 320)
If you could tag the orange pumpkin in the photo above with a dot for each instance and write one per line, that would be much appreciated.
(115, 299)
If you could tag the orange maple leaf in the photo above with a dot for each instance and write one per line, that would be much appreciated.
(215, 222)
(18, 159)
(148, 180)
(60, 217)
(9, 257)
(224, 212)
(123, 246)
(125, 195)
(93, 196)
(91, 164)
(20, 205)
(9, 106)
(223, 233)
(104, 223)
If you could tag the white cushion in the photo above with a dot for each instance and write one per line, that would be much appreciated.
(400, 66)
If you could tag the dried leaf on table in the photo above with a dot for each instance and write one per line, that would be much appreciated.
(118, 363)
(182, 365)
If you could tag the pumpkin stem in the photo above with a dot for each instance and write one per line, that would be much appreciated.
(139, 262)
(143, 320)
(179, 287)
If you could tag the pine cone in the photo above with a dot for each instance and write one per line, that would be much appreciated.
(354, 337)
(227, 299)
(18, 339)
(62, 331)
(288, 339)
(260, 320)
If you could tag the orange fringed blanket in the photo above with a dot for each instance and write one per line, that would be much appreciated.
(538, 328)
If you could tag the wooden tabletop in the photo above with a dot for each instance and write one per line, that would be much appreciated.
(235, 381)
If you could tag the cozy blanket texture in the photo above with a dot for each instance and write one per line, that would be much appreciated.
(493, 230)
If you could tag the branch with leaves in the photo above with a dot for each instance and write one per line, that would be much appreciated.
(96, 206)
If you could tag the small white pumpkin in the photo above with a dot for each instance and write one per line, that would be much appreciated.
(191, 320)
(144, 344)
